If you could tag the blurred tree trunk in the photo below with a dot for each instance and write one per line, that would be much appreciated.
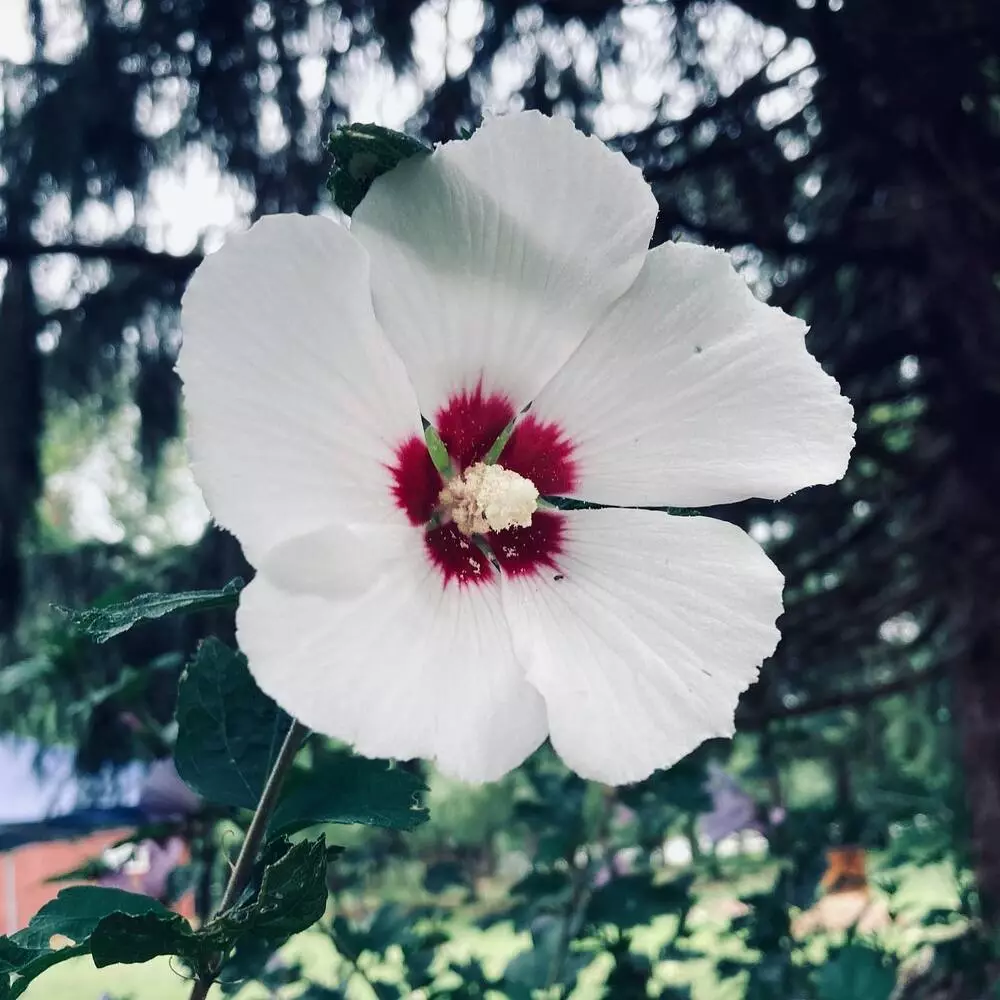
(977, 710)
(20, 420)
(965, 262)
(976, 672)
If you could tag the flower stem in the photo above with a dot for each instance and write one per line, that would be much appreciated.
(255, 835)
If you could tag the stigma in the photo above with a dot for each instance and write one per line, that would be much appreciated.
(488, 498)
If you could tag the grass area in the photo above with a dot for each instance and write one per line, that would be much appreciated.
(77, 979)
(921, 888)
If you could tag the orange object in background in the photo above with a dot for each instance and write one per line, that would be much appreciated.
(847, 900)
(845, 869)
(24, 870)
(43, 796)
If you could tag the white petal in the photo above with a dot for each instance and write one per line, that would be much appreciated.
(339, 561)
(294, 399)
(692, 392)
(492, 257)
(409, 669)
(644, 637)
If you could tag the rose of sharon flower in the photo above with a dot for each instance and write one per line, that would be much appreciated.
(454, 617)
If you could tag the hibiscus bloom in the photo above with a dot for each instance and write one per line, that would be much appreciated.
(456, 616)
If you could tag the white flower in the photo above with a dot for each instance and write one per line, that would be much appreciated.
(508, 269)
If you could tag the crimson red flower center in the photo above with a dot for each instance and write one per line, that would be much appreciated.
(469, 424)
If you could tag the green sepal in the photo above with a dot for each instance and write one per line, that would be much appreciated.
(361, 154)
(438, 452)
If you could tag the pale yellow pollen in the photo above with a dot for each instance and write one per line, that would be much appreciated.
(489, 498)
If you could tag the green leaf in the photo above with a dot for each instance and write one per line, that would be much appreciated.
(391, 924)
(856, 971)
(287, 894)
(102, 624)
(291, 897)
(683, 786)
(539, 966)
(228, 731)
(635, 901)
(342, 788)
(727, 968)
(116, 927)
(444, 875)
(88, 871)
(248, 961)
(33, 969)
(941, 917)
(129, 685)
(22, 673)
(361, 153)
(314, 991)
(551, 883)
(768, 922)
(13, 957)
(129, 939)
(75, 913)
(676, 993)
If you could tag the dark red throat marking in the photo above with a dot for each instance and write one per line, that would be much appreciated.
(469, 424)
